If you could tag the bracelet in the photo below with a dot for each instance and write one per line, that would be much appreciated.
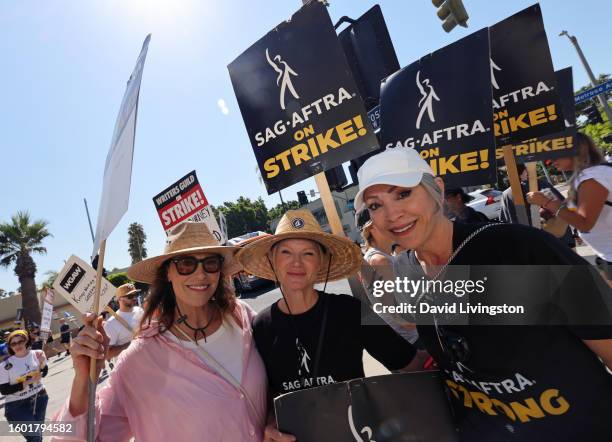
(561, 207)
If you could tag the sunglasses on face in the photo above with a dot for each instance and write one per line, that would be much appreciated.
(186, 265)
(16, 343)
(130, 297)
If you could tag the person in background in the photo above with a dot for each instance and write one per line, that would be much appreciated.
(4, 353)
(121, 331)
(65, 336)
(588, 206)
(37, 343)
(20, 382)
(456, 199)
(378, 255)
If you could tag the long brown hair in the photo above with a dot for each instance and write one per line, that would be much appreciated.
(588, 155)
(161, 301)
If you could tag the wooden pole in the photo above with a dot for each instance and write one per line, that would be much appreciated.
(515, 184)
(533, 187)
(329, 205)
(91, 406)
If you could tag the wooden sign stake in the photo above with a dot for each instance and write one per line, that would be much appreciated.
(533, 187)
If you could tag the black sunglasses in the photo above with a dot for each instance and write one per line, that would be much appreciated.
(130, 297)
(186, 265)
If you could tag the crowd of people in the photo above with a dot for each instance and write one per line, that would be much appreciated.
(218, 365)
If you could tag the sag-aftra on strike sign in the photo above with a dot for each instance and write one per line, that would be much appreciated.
(299, 102)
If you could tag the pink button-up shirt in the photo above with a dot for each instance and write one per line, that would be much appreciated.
(161, 391)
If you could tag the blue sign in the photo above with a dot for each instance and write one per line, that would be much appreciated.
(374, 116)
(591, 93)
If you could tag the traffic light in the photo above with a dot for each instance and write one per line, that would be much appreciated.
(302, 198)
(593, 114)
(336, 178)
(452, 13)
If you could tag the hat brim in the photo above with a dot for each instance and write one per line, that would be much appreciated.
(146, 270)
(131, 292)
(409, 179)
(346, 258)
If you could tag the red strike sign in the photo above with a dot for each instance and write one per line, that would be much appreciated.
(184, 206)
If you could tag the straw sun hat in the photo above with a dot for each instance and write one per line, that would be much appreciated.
(186, 238)
(301, 224)
(126, 290)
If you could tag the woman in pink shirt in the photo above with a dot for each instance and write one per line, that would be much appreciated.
(192, 373)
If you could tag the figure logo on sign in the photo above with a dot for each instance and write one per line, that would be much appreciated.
(494, 68)
(303, 358)
(284, 77)
(367, 430)
(426, 102)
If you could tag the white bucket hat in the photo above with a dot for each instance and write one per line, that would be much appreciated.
(401, 167)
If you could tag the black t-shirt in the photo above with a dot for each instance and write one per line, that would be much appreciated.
(469, 215)
(288, 345)
(523, 383)
(65, 329)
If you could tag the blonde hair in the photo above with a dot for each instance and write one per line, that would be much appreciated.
(589, 155)
(366, 234)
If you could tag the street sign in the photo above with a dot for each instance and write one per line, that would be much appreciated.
(374, 117)
(592, 93)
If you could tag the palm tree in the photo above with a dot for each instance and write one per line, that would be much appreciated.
(51, 277)
(18, 240)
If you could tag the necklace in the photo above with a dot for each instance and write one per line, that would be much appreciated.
(182, 319)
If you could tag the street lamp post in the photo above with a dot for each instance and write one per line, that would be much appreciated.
(601, 97)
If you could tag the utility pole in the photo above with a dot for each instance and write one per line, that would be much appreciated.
(601, 97)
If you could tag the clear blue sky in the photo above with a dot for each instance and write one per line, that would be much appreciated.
(64, 69)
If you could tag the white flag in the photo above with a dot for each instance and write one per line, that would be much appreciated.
(118, 168)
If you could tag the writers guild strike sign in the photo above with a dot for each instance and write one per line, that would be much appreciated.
(408, 406)
(185, 201)
(556, 145)
(299, 102)
(525, 100)
(441, 106)
(77, 283)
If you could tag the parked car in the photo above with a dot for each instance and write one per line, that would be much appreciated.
(243, 281)
(487, 201)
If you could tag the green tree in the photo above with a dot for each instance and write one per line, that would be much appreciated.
(244, 216)
(118, 279)
(596, 131)
(279, 210)
(136, 242)
(19, 239)
(51, 277)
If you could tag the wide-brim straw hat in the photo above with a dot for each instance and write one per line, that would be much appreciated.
(345, 255)
(126, 290)
(186, 238)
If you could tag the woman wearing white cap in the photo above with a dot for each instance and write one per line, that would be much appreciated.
(310, 338)
(527, 383)
(192, 372)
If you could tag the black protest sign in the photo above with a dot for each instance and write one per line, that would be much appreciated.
(559, 144)
(441, 106)
(525, 100)
(299, 102)
(409, 406)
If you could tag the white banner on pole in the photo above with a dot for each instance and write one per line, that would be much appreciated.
(118, 168)
(77, 283)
